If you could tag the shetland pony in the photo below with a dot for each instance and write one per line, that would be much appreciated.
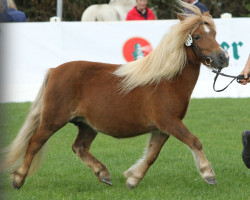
(116, 10)
(148, 95)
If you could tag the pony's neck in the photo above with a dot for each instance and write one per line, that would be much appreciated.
(190, 76)
(186, 81)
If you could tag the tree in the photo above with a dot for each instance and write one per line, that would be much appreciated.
(42, 10)
(165, 9)
(236, 8)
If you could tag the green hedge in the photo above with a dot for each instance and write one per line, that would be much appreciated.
(42, 10)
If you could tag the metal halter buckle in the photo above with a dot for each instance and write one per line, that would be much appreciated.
(209, 60)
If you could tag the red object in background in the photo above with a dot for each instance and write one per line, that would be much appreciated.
(130, 46)
(135, 15)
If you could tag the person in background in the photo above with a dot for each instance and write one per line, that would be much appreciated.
(246, 133)
(140, 12)
(9, 12)
(200, 5)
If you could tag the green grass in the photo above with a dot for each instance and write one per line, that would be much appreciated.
(218, 123)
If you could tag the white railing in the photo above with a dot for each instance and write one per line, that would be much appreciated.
(31, 48)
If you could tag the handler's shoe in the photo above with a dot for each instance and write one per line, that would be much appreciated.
(246, 148)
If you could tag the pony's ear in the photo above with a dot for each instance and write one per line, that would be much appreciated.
(207, 14)
(180, 17)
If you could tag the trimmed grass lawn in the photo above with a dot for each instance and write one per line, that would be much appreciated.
(218, 123)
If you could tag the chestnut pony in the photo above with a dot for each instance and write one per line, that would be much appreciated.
(148, 95)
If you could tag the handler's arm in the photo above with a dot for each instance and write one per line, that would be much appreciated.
(246, 71)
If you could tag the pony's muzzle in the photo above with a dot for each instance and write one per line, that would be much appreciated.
(220, 60)
(223, 58)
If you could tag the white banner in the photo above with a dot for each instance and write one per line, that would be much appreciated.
(30, 49)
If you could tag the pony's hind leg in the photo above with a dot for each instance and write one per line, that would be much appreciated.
(81, 147)
(135, 173)
(42, 134)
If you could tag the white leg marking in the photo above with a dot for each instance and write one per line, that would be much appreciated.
(135, 169)
(201, 164)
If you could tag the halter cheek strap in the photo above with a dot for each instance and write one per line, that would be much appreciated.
(207, 59)
(190, 42)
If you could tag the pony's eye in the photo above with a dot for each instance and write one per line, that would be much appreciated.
(196, 37)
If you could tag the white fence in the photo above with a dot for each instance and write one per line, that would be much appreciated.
(31, 48)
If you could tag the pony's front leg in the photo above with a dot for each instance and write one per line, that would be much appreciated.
(135, 173)
(179, 130)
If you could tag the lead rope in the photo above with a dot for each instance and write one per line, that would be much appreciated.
(237, 78)
(215, 78)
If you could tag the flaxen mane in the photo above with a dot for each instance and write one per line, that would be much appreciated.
(168, 59)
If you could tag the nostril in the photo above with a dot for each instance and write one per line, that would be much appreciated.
(221, 56)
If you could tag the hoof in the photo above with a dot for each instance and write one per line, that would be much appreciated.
(132, 182)
(211, 180)
(18, 180)
(107, 181)
(14, 185)
(130, 186)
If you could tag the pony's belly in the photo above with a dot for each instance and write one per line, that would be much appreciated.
(116, 128)
(120, 128)
(126, 132)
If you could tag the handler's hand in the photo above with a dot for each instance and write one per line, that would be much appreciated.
(245, 72)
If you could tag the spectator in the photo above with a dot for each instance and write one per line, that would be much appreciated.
(9, 12)
(200, 5)
(140, 12)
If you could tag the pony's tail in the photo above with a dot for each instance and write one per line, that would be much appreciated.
(14, 153)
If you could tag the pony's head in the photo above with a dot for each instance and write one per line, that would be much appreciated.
(200, 43)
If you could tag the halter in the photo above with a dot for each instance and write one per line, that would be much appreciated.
(208, 61)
